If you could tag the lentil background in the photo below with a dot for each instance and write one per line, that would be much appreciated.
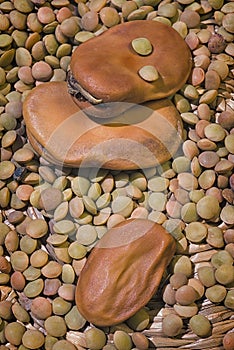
(51, 217)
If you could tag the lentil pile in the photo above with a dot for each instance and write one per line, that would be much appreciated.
(51, 217)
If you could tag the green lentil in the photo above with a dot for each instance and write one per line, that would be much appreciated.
(139, 321)
(148, 73)
(142, 46)
(122, 340)
(95, 338)
(200, 325)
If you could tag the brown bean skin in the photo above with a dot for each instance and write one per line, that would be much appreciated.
(132, 256)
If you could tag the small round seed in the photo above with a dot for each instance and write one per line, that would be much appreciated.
(31, 273)
(95, 338)
(89, 21)
(90, 205)
(158, 184)
(114, 219)
(45, 15)
(185, 295)
(157, 201)
(128, 7)
(200, 325)
(47, 174)
(208, 97)
(224, 166)
(77, 250)
(34, 288)
(23, 192)
(156, 18)
(51, 286)
(220, 67)
(63, 344)
(142, 46)
(67, 291)
(196, 232)
(182, 196)
(86, 235)
(133, 192)
(167, 10)
(109, 16)
(103, 201)
(61, 211)
(94, 191)
(37, 228)
(76, 207)
(214, 132)
(228, 302)
(50, 198)
(97, 5)
(172, 325)
(60, 306)
(80, 185)
(4, 22)
(33, 339)
(207, 179)
(208, 159)
(190, 18)
(227, 214)
(216, 293)
(84, 219)
(52, 269)
(122, 205)
(148, 73)
(122, 340)
(220, 258)
(41, 307)
(140, 213)
(55, 326)
(6, 310)
(189, 212)
(215, 237)
(138, 179)
(198, 76)
(197, 286)
(19, 260)
(5, 40)
(224, 274)
(189, 118)
(7, 169)
(186, 310)
(139, 321)
(169, 295)
(69, 26)
(140, 341)
(183, 265)
(74, 320)
(187, 181)
(68, 274)
(178, 280)
(102, 217)
(208, 207)
(41, 71)
(18, 281)
(5, 266)
(28, 244)
(228, 341)
(20, 313)
(180, 164)
(229, 143)
(38, 258)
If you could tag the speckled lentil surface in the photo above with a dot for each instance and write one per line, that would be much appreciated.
(52, 217)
